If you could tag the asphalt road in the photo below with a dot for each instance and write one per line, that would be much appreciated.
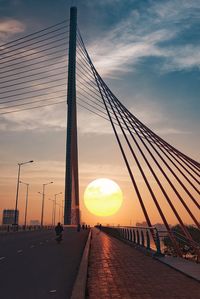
(34, 266)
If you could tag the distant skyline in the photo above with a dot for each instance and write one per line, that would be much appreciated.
(148, 54)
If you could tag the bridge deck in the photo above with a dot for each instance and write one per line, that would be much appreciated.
(117, 270)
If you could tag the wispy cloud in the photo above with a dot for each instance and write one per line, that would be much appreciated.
(148, 33)
(45, 119)
(180, 58)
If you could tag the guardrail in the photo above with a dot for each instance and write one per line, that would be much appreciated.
(146, 237)
(157, 241)
(18, 228)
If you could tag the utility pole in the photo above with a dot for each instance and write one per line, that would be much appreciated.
(43, 196)
(71, 212)
(26, 205)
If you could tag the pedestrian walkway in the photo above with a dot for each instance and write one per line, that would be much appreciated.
(117, 270)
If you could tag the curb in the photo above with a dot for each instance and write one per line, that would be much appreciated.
(78, 291)
(194, 277)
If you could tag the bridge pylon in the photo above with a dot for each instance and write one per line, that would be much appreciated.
(71, 211)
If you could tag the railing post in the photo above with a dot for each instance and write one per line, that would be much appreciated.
(134, 237)
(138, 237)
(142, 238)
(148, 240)
(158, 251)
(131, 235)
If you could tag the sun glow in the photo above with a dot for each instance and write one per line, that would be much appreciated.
(103, 197)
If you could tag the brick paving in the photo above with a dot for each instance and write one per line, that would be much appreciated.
(117, 270)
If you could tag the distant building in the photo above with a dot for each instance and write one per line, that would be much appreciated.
(141, 224)
(9, 217)
(160, 226)
(34, 222)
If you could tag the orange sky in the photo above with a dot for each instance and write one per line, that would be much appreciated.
(103, 163)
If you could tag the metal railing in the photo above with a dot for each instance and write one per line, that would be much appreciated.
(146, 237)
(20, 228)
(157, 241)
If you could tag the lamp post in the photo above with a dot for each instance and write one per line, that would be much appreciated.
(17, 192)
(52, 210)
(59, 205)
(26, 206)
(62, 205)
(43, 195)
(54, 218)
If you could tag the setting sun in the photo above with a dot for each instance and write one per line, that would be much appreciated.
(103, 197)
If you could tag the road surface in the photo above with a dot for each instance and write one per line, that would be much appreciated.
(34, 266)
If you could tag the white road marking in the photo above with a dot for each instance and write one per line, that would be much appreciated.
(19, 251)
(32, 246)
(2, 258)
(52, 291)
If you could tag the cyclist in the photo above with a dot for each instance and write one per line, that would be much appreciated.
(59, 230)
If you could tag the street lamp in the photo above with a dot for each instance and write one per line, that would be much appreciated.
(54, 218)
(17, 193)
(43, 194)
(26, 206)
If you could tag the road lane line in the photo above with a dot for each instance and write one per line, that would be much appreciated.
(19, 251)
(2, 258)
(52, 291)
(32, 246)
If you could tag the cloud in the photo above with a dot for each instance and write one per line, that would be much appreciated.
(120, 54)
(150, 32)
(176, 11)
(182, 58)
(34, 87)
(45, 119)
(10, 27)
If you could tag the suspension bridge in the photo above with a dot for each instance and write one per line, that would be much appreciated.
(35, 74)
